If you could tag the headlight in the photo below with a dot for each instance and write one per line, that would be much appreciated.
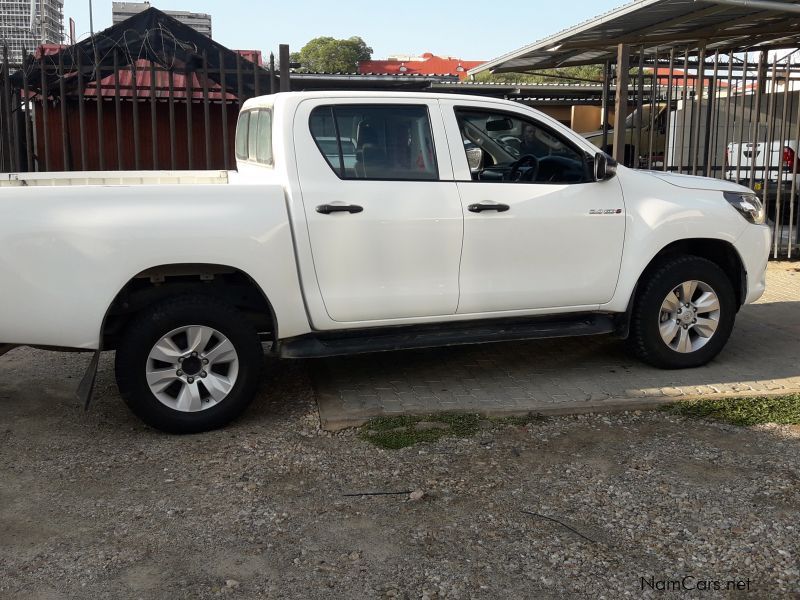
(748, 205)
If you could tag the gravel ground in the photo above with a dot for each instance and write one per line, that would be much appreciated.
(98, 506)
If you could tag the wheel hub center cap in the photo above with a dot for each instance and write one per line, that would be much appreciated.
(192, 365)
(687, 318)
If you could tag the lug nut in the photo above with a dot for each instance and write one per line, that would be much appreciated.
(195, 353)
(203, 374)
(179, 373)
(205, 361)
(685, 327)
(687, 305)
(180, 360)
(191, 379)
(680, 310)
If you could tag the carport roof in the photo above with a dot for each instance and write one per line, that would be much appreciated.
(655, 24)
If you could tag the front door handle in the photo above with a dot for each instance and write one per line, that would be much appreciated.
(327, 209)
(482, 206)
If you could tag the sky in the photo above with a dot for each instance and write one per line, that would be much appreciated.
(467, 29)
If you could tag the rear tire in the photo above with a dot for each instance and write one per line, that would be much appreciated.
(189, 364)
(667, 333)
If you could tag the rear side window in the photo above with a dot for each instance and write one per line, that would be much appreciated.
(241, 136)
(254, 137)
(264, 144)
(391, 142)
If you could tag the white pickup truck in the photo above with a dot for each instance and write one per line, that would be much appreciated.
(361, 222)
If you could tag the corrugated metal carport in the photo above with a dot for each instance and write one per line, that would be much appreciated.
(724, 76)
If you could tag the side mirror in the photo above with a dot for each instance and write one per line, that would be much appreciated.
(474, 159)
(605, 167)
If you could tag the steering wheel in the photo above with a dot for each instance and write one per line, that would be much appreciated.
(526, 160)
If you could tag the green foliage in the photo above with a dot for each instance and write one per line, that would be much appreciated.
(404, 430)
(783, 410)
(329, 55)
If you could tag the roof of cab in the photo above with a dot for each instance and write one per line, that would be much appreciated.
(294, 97)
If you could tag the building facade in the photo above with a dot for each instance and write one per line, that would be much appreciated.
(24, 25)
(200, 22)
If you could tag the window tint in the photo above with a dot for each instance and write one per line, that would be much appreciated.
(241, 136)
(376, 142)
(264, 145)
(502, 147)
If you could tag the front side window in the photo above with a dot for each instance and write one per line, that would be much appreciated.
(503, 147)
(376, 142)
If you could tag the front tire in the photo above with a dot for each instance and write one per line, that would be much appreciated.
(189, 364)
(683, 314)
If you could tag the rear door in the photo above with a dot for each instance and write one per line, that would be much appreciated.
(539, 232)
(383, 212)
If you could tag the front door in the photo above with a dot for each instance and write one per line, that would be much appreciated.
(383, 212)
(539, 232)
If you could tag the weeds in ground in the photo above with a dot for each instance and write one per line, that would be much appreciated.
(406, 430)
(783, 410)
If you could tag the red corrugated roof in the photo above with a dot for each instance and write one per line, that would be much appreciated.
(427, 64)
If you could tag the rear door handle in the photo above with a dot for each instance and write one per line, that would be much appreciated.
(482, 206)
(327, 209)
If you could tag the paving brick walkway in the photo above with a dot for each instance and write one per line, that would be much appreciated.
(565, 375)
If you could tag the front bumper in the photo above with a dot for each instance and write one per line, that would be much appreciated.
(753, 247)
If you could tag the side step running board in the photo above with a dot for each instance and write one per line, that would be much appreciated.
(388, 339)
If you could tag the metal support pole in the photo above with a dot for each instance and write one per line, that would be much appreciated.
(621, 102)
(699, 84)
(283, 57)
(273, 80)
(638, 122)
(668, 116)
(606, 93)
(761, 80)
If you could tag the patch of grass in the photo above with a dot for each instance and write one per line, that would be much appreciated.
(521, 421)
(404, 430)
(783, 410)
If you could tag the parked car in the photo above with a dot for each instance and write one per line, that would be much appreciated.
(633, 139)
(773, 166)
(430, 232)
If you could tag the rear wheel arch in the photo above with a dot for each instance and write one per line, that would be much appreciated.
(155, 284)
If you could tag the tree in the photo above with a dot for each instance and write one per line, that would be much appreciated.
(329, 55)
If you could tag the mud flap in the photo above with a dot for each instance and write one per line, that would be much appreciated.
(86, 387)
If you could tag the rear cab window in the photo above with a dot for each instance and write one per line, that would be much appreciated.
(376, 142)
(254, 137)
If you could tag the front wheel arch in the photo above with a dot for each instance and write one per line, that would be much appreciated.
(720, 252)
